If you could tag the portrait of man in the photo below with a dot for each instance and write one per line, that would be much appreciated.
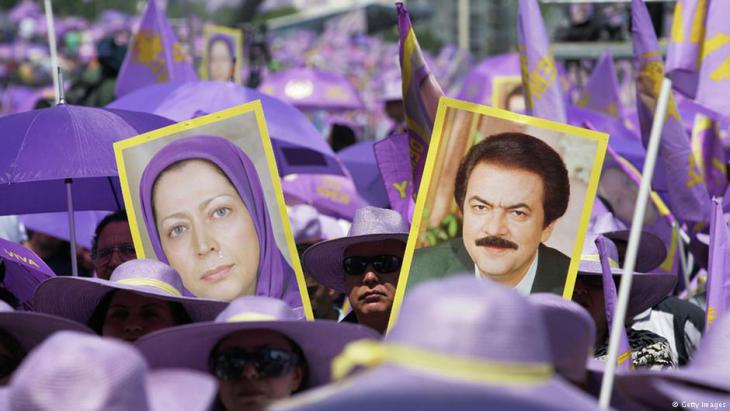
(504, 196)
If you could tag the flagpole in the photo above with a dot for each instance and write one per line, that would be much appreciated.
(463, 27)
(633, 246)
(52, 46)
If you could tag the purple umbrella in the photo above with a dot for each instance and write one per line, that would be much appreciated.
(24, 270)
(359, 159)
(332, 195)
(52, 153)
(311, 89)
(298, 146)
(56, 225)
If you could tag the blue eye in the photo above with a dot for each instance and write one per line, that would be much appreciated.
(176, 231)
(221, 212)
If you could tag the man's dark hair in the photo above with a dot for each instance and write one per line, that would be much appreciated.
(120, 215)
(524, 152)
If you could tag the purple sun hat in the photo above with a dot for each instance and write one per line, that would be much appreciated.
(459, 343)
(31, 328)
(275, 275)
(708, 371)
(571, 331)
(24, 270)
(76, 298)
(647, 288)
(323, 261)
(73, 371)
(189, 346)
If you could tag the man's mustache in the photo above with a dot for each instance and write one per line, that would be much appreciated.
(494, 241)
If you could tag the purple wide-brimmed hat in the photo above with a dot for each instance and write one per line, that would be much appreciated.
(76, 298)
(323, 261)
(31, 328)
(189, 346)
(647, 288)
(708, 371)
(275, 277)
(459, 343)
(571, 331)
(73, 371)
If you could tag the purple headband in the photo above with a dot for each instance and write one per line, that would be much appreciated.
(275, 276)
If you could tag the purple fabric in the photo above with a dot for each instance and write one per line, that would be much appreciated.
(56, 225)
(478, 83)
(33, 166)
(24, 270)
(359, 160)
(392, 156)
(601, 92)
(718, 280)
(688, 197)
(332, 195)
(227, 40)
(417, 81)
(685, 45)
(714, 77)
(275, 276)
(154, 56)
(543, 95)
(610, 298)
(311, 89)
(710, 154)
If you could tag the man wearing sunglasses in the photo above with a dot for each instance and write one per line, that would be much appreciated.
(511, 189)
(112, 244)
(365, 265)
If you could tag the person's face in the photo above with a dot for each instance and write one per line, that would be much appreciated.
(372, 293)
(220, 66)
(206, 231)
(132, 315)
(114, 246)
(250, 391)
(503, 221)
(589, 294)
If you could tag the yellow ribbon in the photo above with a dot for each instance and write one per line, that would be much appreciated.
(251, 316)
(151, 282)
(368, 353)
(597, 259)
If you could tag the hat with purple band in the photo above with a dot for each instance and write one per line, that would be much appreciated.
(189, 346)
(459, 343)
(72, 371)
(76, 298)
(648, 288)
(323, 261)
(31, 328)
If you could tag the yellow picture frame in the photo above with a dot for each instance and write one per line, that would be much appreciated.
(234, 35)
(207, 125)
(435, 150)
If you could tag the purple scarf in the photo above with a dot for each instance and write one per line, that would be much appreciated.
(275, 276)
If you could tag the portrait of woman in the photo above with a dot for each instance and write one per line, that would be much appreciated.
(221, 58)
(206, 215)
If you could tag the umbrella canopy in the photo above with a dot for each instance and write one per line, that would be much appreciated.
(56, 225)
(311, 89)
(44, 148)
(359, 159)
(298, 146)
(24, 270)
(331, 195)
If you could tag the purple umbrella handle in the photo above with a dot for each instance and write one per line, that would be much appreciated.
(71, 227)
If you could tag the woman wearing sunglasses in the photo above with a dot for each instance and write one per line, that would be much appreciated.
(258, 350)
(364, 265)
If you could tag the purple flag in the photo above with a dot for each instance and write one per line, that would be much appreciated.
(619, 185)
(698, 59)
(393, 161)
(718, 280)
(539, 74)
(709, 154)
(688, 197)
(601, 92)
(154, 56)
(421, 93)
(610, 298)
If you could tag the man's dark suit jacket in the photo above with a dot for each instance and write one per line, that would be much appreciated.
(450, 257)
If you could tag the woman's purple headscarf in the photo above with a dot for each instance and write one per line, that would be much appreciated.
(228, 41)
(275, 276)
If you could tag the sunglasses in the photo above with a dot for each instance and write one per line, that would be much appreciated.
(382, 264)
(268, 363)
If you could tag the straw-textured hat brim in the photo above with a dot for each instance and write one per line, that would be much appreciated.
(189, 346)
(323, 261)
(165, 390)
(76, 298)
(647, 289)
(31, 328)
(395, 388)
